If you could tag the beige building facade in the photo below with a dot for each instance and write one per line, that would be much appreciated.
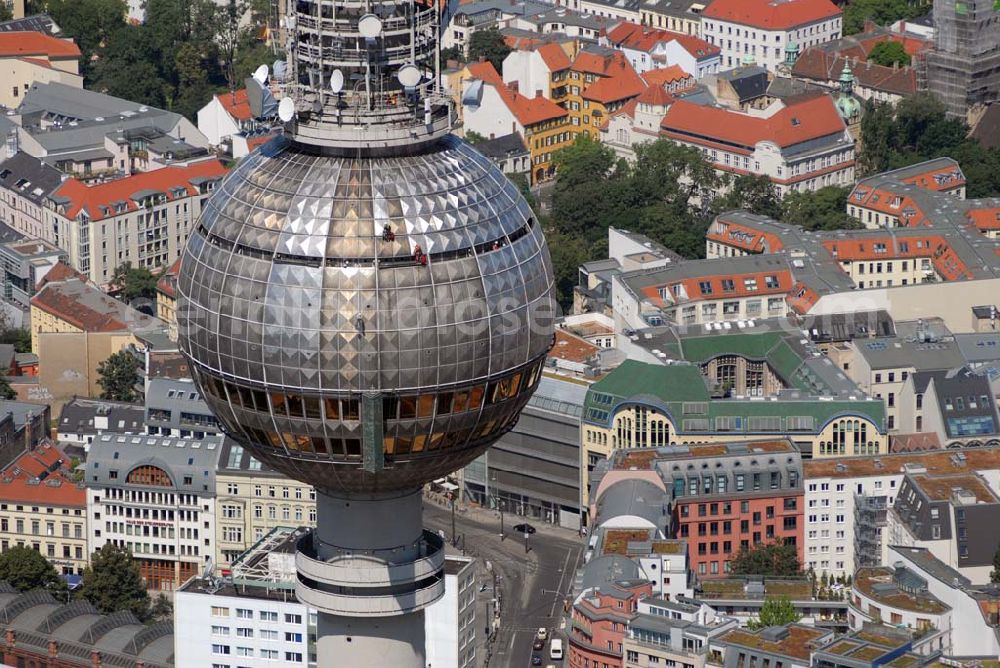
(251, 500)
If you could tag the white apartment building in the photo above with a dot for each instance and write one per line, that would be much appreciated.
(450, 624)
(760, 29)
(804, 145)
(144, 219)
(846, 501)
(251, 618)
(154, 495)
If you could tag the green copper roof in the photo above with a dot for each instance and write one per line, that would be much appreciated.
(701, 349)
(680, 390)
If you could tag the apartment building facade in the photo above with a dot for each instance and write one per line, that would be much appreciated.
(155, 496)
(760, 30)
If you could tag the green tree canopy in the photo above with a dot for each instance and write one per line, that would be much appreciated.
(19, 338)
(134, 282)
(823, 209)
(6, 391)
(91, 24)
(775, 612)
(776, 558)
(889, 53)
(752, 192)
(112, 582)
(882, 12)
(117, 377)
(995, 573)
(490, 45)
(25, 570)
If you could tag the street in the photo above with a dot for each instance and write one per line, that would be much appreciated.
(534, 585)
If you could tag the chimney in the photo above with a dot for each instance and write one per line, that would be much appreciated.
(514, 86)
(10, 638)
(95, 659)
(538, 93)
(53, 649)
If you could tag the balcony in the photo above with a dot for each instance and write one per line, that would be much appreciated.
(376, 570)
(347, 603)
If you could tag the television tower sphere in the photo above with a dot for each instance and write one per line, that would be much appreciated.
(366, 323)
(366, 303)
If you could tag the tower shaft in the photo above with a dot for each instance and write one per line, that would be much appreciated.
(370, 569)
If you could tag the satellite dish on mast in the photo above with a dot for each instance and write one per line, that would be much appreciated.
(286, 109)
(260, 74)
(408, 75)
(370, 25)
(337, 81)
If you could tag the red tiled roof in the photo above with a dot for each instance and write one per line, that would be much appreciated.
(616, 78)
(944, 178)
(665, 76)
(236, 104)
(168, 281)
(818, 65)
(92, 198)
(30, 43)
(746, 238)
(19, 481)
(692, 286)
(644, 38)
(985, 219)
(802, 298)
(944, 258)
(771, 14)
(885, 201)
(60, 272)
(656, 96)
(808, 119)
(260, 140)
(68, 308)
(555, 58)
(527, 110)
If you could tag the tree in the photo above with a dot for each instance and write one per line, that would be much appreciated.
(882, 12)
(995, 573)
(889, 53)
(567, 253)
(823, 209)
(134, 282)
(128, 68)
(161, 609)
(25, 570)
(752, 192)
(775, 612)
(6, 12)
(776, 558)
(6, 391)
(489, 45)
(452, 53)
(473, 137)
(112, 582)
(117, 377)
(91, 24)
(19, 338)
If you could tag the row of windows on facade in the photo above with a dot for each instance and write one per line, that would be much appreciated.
(710, 27)
(154, 548)
(742, 482)
(165, 532)
(36, 528)
(789, 523)
(248, 652)
(233, 489)
(726, 508)
(236, 513)
(68, 551)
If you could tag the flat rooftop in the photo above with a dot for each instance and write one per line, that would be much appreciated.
(799, 643)
(878, 585)
(943, 488)
(936, 462)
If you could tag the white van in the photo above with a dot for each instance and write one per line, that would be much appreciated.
(556, 650)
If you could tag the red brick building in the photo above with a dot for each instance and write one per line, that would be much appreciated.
(599, 622)
(722, 496)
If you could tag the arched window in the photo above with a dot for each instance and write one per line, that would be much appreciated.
(150, 476)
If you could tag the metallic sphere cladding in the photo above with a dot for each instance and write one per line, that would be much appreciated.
(366, 324)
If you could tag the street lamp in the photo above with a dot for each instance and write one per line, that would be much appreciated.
(496, 502)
